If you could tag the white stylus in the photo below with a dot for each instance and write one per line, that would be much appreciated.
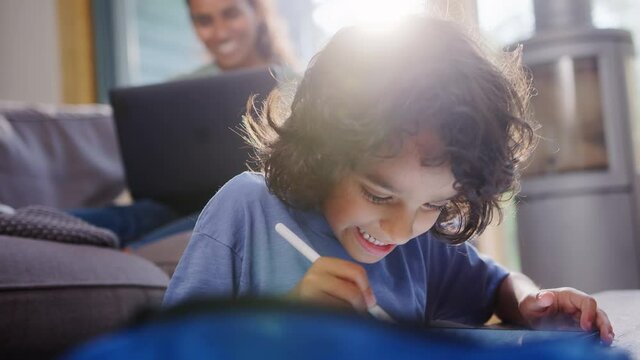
(312, 255)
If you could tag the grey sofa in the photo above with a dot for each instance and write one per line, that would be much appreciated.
(56, 295)
(60, 156)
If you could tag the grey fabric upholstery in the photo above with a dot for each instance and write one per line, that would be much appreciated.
(61, 156)
(41, 222)
(166, 252)
(54, 295)
(66, 156)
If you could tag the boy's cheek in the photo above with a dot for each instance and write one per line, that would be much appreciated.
(426, 223)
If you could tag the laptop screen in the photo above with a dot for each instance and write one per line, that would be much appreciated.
(179, 141)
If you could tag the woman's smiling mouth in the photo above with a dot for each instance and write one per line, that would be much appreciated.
(227, 47)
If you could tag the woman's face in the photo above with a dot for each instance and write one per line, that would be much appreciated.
(389, 203)
(229, 30)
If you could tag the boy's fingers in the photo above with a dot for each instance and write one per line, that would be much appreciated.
(351, 272)
(573, 304)
(588, 308)
(320, 297)
(325, 289)
(534, 309)
(329, 300)
(572, 300)
(604, 326)
(345, 291)
(542, 302)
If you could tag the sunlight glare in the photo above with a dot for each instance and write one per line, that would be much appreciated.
(332, 15)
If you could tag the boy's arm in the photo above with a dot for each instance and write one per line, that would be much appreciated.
(521, 301)
(511, 292)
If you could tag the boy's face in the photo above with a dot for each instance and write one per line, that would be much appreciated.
(228, 28)
(390, 202)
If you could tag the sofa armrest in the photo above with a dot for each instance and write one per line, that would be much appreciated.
(60, 156)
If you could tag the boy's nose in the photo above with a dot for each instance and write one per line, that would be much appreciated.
(399, 227)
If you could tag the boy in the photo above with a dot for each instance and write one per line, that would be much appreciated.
(397, 146)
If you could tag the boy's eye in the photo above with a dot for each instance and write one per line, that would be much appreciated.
(436, 207)
(375, 198)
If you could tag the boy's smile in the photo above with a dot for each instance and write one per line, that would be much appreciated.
(390, 202)
(371, 244)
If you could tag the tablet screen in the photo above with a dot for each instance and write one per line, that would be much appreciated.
(500, 336)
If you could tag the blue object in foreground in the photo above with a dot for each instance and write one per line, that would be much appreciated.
(276, 333)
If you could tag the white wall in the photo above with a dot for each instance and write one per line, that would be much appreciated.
(29, 56)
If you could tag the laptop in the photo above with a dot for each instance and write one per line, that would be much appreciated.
(179, 140)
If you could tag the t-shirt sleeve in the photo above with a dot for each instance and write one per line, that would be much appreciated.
(211, 265)
(462, 284)
(207, 268)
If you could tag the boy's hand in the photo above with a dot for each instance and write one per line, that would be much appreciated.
(550, 305)
(335, 282)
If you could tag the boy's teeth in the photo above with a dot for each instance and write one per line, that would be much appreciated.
(370, 238)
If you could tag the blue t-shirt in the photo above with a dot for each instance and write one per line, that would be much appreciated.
(235, 251)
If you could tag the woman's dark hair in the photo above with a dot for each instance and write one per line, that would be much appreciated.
(370, 89)
(273, 42)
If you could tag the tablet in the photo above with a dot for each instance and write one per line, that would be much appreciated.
(499, 336)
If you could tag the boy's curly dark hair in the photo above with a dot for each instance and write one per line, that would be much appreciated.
(369, 89)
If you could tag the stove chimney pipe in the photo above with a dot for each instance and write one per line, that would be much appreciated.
(553, 15)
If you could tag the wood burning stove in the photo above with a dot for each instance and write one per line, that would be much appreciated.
(578, 213)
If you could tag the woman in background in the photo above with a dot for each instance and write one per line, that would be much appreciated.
(238, 34)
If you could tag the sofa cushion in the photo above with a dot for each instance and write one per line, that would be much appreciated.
(55, 295)
(41, 222)
(166, 252)
(61, 156)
